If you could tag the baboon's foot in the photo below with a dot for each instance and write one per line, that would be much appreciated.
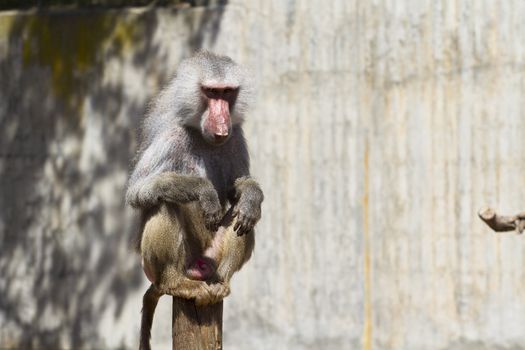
(218, 291)
(188, 289)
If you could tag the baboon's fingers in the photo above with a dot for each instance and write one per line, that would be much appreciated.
(237, 225)
(245, 224)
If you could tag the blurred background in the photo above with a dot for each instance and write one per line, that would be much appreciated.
(381, 127)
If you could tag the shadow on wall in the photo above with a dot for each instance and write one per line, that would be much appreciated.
(67, 135)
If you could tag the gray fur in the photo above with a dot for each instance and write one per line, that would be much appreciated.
(170, 140)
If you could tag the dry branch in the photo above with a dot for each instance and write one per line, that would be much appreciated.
(501, 223)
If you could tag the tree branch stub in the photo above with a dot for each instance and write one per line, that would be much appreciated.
(502, 223)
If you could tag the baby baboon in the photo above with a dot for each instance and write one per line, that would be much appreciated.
(193, 187)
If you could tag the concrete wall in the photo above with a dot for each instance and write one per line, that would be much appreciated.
(381, 128)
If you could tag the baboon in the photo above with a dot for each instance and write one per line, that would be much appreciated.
(192, 184)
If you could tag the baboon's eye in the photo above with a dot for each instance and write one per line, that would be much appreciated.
(218, 92)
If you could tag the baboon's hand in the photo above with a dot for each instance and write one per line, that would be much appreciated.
(248, 214)
(249, 197)
(211, 207)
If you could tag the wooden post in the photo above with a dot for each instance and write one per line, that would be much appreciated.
(195, 327)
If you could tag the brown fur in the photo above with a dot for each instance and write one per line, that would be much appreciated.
(171, 236)
(174, 235)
